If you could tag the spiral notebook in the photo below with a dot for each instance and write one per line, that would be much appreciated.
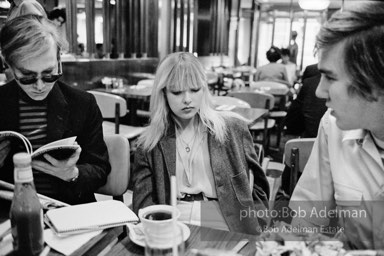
(89, 217)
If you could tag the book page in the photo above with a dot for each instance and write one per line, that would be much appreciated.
(60, 149)
(19, 136)
(91, 216)
(57, 152)
(63, 142)
(69, 244)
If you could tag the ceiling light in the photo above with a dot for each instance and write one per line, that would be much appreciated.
(5, 4)
(314, 4)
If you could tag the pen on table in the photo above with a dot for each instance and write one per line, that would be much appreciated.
(45, 251)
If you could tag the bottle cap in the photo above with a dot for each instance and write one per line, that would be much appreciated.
(23, 171)
(22, 158)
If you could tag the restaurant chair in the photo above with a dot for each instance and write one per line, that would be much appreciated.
(118, 178)
(280, 92)
(212, 79)
(296, 154)
(259, 100)
(114, 106)
(216, 83)
(142, 110)
(229, 101)
(272, 170)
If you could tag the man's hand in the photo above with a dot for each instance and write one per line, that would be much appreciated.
(5, 147)
(65, 169)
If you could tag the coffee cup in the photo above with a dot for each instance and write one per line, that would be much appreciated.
(157, 221)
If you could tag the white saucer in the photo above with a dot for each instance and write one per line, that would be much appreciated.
(140, 240)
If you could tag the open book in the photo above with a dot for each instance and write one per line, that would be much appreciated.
(59, 149)
(88, 217)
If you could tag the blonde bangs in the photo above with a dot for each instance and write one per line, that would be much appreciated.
(184, 76)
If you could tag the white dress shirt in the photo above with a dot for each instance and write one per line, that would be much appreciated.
(345, 172)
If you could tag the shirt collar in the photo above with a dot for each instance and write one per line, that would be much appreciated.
(357, 134)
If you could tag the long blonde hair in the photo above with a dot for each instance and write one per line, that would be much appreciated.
(180, 71)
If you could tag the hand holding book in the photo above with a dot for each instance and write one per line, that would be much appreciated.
(63, 169)
(57, 158)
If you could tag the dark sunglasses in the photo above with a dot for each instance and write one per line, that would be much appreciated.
(50, 78)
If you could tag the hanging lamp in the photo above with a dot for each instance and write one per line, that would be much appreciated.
(314, 4)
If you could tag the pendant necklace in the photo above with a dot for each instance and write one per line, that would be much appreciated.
(187, 148)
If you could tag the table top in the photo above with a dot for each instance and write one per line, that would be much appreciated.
(115, 241)
(252, 115)
(245, 69)
(130, 92)
(276, 91)
(200, 238)
(143, 75)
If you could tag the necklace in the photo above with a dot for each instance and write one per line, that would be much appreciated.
(187, 147)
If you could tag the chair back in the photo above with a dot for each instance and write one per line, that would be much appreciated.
(111, 106)
(226, 100)
(118, 178)
(296, 154)
(255, 99)
(212, 77)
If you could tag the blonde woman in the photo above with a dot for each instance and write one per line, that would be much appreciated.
(210, 152)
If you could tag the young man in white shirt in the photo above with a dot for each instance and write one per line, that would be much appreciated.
(341, 189)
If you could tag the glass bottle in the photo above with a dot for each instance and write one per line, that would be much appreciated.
(26, 213)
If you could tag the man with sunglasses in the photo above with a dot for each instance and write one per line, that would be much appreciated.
(44, 109)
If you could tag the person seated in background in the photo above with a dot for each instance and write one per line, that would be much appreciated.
(273, 71)
(99, 51)
(22, 7)
(344, 175)
(43, 109)
(290, 66)
(81, 50)
(302, 119)
(210, 152)
(304, 113)
(57, 16)
(293, 48)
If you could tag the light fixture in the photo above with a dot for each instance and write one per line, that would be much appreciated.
(5, 4)
(314, 4)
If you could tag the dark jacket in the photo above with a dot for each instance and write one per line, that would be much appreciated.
(230, 163)
(310, 71)
(304, 114)
(70, 112)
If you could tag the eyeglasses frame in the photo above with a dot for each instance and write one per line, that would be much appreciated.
(59, 72)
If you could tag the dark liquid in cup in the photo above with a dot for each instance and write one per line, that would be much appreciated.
(158, 215)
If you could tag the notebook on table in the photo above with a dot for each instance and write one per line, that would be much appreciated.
(88, 217)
